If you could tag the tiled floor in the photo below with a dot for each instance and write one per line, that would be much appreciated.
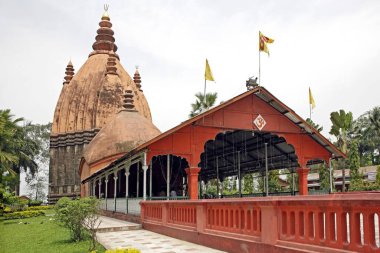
(108, 224)
(149, 242)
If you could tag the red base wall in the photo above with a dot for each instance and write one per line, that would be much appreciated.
(228, 244)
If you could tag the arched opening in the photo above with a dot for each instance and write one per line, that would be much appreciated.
(165, 167)
(239, 156)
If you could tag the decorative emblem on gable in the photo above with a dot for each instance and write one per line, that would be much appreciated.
(260, 122)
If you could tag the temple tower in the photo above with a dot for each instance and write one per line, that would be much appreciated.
(89, 99)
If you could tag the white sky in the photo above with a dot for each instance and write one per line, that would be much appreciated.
(332, 46)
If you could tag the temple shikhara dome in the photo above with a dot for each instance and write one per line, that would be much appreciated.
(89, 100)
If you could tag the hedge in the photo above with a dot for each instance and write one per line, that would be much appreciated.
(23, 214)
(35, 208)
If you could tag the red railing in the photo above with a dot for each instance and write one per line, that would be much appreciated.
(234, 218)
(336, 221)
(184, 215)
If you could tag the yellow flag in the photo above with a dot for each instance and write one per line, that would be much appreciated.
(208, 73)
(311, 99)
(263, 41)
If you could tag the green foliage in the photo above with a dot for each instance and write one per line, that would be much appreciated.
(39, 234)
(248, 183)
(35, 203)
(324, 177)
(378, 175)
(23, 214)
(33, 208)
(314, 125)
(366, 132)
(130, 250)
(201, 104)
(72, 214)
(17, 149)
(354, 161)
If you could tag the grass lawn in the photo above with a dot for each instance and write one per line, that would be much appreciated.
(41, 234)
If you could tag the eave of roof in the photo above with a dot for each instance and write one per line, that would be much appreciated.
(281, 107)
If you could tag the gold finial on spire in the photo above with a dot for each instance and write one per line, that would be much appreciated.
(105, 14)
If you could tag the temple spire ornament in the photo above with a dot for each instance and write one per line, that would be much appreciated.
(137, 78)
(105, 14)
(104, 40)
(111, 65)
(128, 101)
(69, 73)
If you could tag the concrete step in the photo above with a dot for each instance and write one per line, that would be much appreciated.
(108, 224)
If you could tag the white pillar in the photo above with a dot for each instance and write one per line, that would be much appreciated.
(150, 181)
(106, 191)
(168, 177)
(138, 181)
(100, 188)
(114, 189)
(93, 187)
(126, 181)
(145, 168)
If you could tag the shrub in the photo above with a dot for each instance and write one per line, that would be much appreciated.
(35, 202)
(72, 214)
(34, 208)
(23, 214)
(130, 250)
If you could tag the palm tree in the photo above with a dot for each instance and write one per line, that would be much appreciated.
(374, 118)
(341, 125)
(17, 149)
(202, 104)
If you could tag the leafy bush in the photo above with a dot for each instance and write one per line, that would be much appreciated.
(35, 202)
(34, 208)
(72, 214)
(23, 214)
(130, 250)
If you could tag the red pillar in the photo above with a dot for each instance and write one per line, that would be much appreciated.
(302, 180)
(192, 178)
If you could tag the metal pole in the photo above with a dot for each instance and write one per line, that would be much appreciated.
(293, 186)
(266, 170)
(168, 177)
(138, 180)
(204, 98)
(106, 196)
(239, 172)
(331, 175)
(115, 189)
(217, 178)
(259, 62)
(150, 180)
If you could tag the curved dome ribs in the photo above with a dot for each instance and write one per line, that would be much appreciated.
(89, 101)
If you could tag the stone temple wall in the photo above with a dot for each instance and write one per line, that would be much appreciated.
(66, 151)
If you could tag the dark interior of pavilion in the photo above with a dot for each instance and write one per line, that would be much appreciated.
(232, 154)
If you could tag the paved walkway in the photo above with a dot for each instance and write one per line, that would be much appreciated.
(149, 242)
(112, 225)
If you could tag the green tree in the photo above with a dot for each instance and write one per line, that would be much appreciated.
(17, 149)
(37, 182)
(354, 161)
(324, 177)
(366, 133)
(342, 123)
(201, 104)
(248, 183)
(314, 125)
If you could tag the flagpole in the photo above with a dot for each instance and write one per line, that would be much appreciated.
(310, 110)
(259, 61)
(204, 96)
